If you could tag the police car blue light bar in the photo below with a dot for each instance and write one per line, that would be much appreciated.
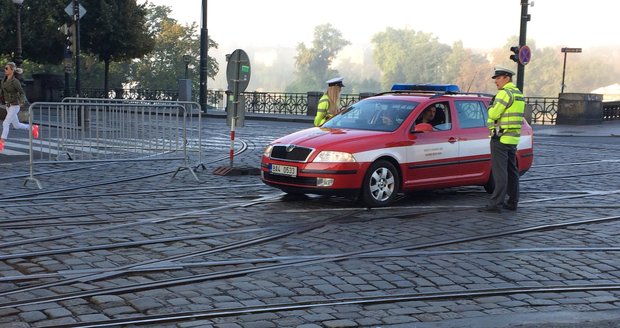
(426, 87)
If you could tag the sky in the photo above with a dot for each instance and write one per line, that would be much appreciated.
(480, 24)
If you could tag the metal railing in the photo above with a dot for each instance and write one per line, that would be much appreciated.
(276, 103)
(544, 109)
(611, 110)
(286, 103)
(99, 130)
(215, 98)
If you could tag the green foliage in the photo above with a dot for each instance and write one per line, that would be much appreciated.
(408, 56)
(115, 30)
(468, 70)
(161, 68)
(543, 75)
(355, 81)
(313, 64)
(42, 42)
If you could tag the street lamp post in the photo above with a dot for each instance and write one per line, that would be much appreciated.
(18, 50)
(186, 60)
(204, 56)
(565, 51)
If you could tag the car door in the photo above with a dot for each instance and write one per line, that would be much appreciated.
(473, 134)
(432, 157)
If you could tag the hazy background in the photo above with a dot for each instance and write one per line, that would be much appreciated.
(270, 30)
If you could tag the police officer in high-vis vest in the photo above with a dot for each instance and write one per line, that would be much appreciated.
(504, 122)
(329, 104)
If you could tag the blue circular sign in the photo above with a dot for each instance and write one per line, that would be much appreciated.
(525, 55)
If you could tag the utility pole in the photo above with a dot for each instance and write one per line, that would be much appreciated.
(525, 17)
(204, 52)
(76, 21)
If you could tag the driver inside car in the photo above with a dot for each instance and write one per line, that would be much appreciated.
(423, 123)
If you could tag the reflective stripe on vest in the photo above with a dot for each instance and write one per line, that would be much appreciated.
(510, 121)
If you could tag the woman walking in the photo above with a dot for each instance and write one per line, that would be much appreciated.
(13, 96)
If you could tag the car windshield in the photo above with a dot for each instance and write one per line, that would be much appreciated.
(373, 114)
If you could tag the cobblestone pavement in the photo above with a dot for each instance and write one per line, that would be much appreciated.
(429, 261)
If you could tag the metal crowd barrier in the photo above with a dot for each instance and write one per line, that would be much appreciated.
(110, 130)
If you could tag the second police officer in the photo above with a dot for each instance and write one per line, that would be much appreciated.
(329, 104)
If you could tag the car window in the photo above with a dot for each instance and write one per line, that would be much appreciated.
(471, 113)
(373, 114)
(435, 117)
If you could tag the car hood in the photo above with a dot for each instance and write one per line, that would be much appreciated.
(335, 139)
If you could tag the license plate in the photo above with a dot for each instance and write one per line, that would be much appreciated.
(290, 171)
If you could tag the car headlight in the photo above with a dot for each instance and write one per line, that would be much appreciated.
(333, 157)
(267, 151)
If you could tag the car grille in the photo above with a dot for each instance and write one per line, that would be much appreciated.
(296, 154)
(283, 179)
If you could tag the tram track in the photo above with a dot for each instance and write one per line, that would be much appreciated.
(334, 302)
(122, 270)
(186, 215)
(146, 192)
(396, 253)
(18, 222)
(13, 196)
(240, 272)
(266, 264)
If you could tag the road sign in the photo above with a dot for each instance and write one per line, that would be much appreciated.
(238, 71)
(69, 10)
(238, 76)
(525, 55)
(571, 49)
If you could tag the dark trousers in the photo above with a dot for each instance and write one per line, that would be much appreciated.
(505, 173)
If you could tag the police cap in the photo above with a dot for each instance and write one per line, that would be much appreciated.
(502, 71)
(335, 81)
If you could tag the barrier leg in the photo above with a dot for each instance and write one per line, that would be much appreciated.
(185, 165)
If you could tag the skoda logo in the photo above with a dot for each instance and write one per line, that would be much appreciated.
(290, 148)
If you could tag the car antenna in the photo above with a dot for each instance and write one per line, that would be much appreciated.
(472, 81)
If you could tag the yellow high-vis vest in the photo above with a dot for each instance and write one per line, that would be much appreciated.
(322, 111)
(506, 114)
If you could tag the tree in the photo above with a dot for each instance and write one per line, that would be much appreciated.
(42, 42)
(355, 81)
(543, 75)
(468, 70)
(115, 30)
(161, 68)
(313, 64)
(404, 55)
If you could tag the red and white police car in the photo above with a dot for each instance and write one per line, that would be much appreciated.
(411, 138)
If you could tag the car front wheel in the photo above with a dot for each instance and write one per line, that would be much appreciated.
(381, 184)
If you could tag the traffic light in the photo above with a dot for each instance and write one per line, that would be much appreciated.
(70, 38)
(515, 53)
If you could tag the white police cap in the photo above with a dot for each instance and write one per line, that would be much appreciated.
(499, 71)
(335, 81)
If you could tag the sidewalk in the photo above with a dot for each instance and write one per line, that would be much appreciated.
(606, 129)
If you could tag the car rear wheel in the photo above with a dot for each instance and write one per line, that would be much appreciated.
(381, 184)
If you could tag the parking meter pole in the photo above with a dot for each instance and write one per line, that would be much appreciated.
(238, 77)
(232, 140)
(233, 121)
